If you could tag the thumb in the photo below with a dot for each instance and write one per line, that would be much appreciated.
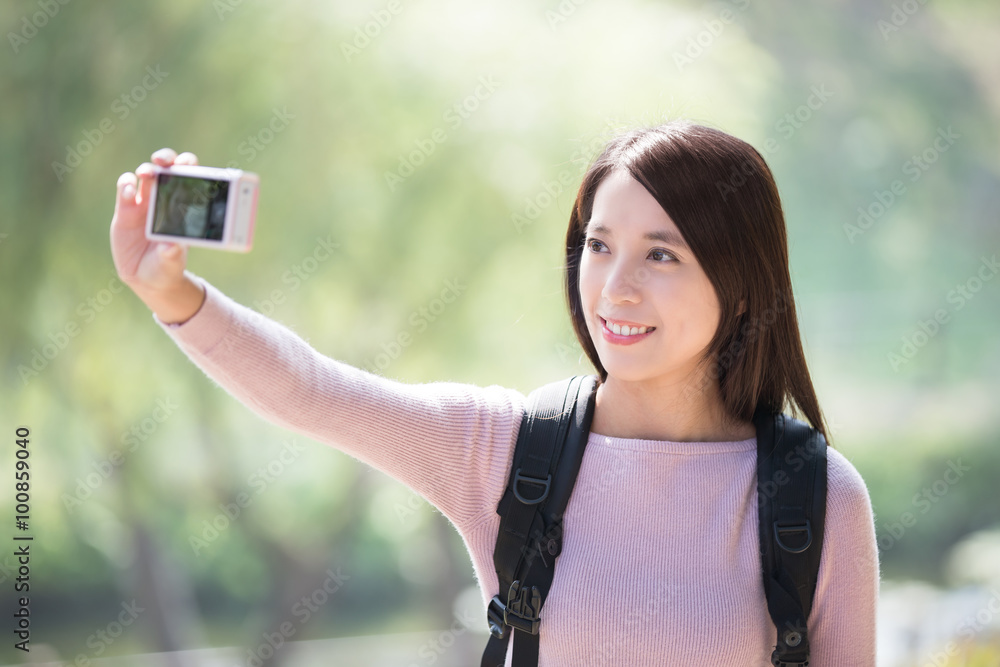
(170, 251)
(126, 191)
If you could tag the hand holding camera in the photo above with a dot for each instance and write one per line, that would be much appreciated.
(167, 205)
(203, 206)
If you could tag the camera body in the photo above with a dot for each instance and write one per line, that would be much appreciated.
(210, 207)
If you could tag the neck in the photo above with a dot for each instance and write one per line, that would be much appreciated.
(665, 409)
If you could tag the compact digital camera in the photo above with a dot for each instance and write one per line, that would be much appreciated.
(210, 207)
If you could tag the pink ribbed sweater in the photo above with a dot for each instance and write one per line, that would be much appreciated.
(660, 563)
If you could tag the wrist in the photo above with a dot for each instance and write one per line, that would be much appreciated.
(178, 303)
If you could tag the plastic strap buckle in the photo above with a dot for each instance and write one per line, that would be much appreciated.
(796, 528)
(523, 606)
(495, 618)
(520, 612)
(518, 478)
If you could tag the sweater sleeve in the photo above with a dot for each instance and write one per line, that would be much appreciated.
(842, 623)
(449, 442)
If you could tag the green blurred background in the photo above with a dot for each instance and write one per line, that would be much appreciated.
(323, 100)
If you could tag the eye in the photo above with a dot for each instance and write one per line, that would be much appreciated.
(664, 253)
(655, 251)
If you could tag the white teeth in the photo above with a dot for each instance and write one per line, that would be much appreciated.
(626, 331)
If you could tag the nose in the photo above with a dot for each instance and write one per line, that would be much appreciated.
(624, 283)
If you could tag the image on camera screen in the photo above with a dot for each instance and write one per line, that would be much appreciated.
(190, 207)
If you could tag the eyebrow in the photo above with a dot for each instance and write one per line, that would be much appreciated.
(668, 236)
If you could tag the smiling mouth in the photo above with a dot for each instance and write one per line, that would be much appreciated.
(610, 328)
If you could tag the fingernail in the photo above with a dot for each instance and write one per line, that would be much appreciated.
(128, 192)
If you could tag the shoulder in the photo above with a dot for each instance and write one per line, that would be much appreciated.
(849, 520)
(846, 490)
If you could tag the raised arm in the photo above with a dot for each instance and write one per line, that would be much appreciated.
(451, 443)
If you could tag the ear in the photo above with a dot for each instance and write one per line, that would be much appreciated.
(743, 307)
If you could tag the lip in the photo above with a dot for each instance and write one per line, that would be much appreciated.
(624, 322)
(618, 339)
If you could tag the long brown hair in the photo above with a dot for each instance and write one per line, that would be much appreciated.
(721, 194)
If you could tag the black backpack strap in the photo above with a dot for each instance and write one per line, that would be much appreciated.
(547, 457)
(791, 489)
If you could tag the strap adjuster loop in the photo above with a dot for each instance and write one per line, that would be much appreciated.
(518, 478)
(795, 528)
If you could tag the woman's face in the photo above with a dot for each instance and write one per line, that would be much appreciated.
(655, 282)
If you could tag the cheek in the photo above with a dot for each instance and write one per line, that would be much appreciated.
(687, 308)
(704, 309)
(590, 283)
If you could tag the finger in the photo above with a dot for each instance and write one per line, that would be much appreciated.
(126, 190)
(146, 174)
(186, 158)
(165, 157)
(172, 252)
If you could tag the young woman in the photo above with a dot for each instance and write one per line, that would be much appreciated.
(679, 291)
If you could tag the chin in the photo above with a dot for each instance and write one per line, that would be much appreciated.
(628, 373)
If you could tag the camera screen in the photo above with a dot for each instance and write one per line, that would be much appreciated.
(190, 207)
